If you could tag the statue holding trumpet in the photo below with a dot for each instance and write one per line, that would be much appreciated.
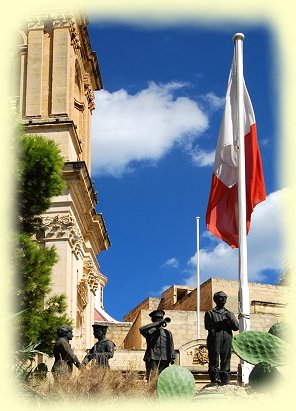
(160, 346)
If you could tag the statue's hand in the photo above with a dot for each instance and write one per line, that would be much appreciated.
(228, 316)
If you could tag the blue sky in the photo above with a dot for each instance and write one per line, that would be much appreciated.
(154, 134)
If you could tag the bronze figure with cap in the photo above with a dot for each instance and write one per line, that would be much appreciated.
(220, 323)
(103, 348)
(160, 347)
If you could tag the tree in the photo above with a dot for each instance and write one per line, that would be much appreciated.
(39, 178)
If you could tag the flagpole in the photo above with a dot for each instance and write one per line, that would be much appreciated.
(197, 279)
(243, 300)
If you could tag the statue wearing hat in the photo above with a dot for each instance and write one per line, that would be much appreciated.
(103, 348)
(220, 323)
(63, 354)
(160, 347)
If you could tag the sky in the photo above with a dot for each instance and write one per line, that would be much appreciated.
(154, 134)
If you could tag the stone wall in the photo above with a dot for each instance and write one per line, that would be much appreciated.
(128, 360)
(174, 295)
(117, 332)
(184, 327)
(149, 304)
(264, 298)
(134, 339)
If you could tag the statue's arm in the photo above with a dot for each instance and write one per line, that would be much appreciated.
(70, 354)
(88, 357)
(150, 328)
(209, 323)
(233, 322)
(173, 356)
(109, 349)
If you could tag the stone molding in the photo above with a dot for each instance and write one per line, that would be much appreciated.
(91, 275)
(63, 227)
(55, 20)
(42, 20)
(89, 92)
(75, 39)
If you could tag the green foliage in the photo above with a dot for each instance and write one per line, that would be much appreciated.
(175, 382)
(266, 351)
(23, 361)
(280, 330)
(40, 318)
(52, 317)
(262, 376)
(259, 346)
(39, 178)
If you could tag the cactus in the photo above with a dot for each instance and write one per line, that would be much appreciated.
(262, 376)
(280, 330)
(175, 382)
(259, 346)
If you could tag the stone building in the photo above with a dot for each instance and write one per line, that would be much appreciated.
(267, 304)
(56, 75)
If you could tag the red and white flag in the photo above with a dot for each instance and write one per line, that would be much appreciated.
(222, 211)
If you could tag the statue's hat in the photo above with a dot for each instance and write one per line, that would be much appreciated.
(220, 293)
(102, 327)
(157, 313)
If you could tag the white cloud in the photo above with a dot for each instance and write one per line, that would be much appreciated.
(215, 102)
(141, 127)
(171, 262)
(265, 245)
(202, 158)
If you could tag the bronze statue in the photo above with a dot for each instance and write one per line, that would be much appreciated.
(63, 353)
(220, 323)
(102, 350)
(160, 347)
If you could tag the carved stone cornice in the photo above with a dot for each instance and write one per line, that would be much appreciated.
(55, 20)
(88, 91)
(91, 275)
(63, 227)
(74, 33)
(42, 20)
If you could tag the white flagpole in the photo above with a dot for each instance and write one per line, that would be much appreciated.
(197, 279)
(244, 304)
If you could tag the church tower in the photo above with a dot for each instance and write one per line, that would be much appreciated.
(58, 73)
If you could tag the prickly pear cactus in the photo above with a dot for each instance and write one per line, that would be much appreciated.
(262, 376)
(259, 346)
(280, 330)
(175, 382)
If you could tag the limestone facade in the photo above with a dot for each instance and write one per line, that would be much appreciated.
(53, 94)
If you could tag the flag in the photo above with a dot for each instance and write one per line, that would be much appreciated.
(222, 210)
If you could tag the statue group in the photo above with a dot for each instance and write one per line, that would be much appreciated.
(99, 354)
(160, 353)
(219, 322)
